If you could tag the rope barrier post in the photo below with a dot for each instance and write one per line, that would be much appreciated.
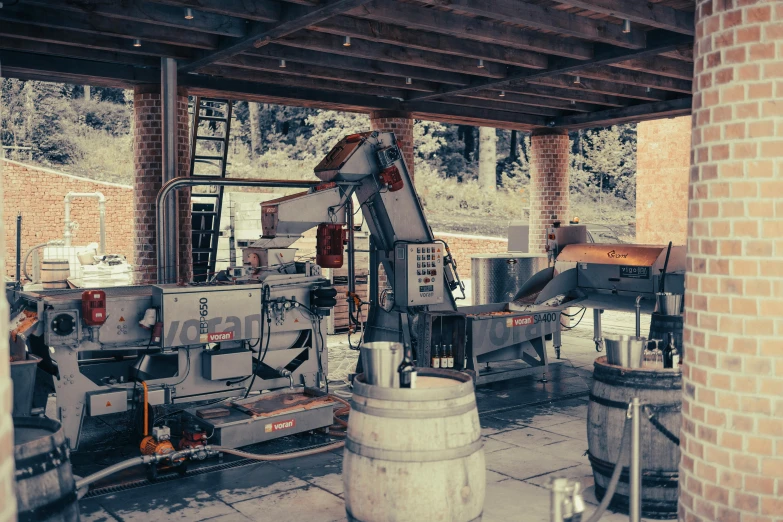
(557, 495)
(635, 503)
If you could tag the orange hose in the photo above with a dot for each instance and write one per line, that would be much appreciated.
(146, 401)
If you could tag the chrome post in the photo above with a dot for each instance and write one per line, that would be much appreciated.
(635, 503)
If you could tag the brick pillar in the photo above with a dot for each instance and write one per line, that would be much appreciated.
(7, 466)
(147, 158)
(401, 124)
(549, 184)
(732, 431)
(663, 160)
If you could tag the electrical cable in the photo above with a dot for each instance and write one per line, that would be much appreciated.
(577, 323)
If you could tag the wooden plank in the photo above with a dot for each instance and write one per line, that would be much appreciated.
(684, 53)
(659, 65)
(87, 41)
(645, 111)
(443, 22)
(568, 94)
(75, 51)
(426, 41)
(602, 87)
(640, 79)
(256, 10)
(293, 19)
(469, 112)
(499, 104)
(95, 24)
(301, 81)
(658, 43)
(535, 101)
(295, 54)
(391, 53)
(547, 19)
(163, 15)
(256, 63)
(647, 13)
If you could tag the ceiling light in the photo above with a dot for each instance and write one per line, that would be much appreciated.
(577, 80)
(347, 41)
(573, 102)
(626, 26)
(188, 14)
(481, 63)
(502, 94)
(136, 42)
(649, 89)
(282, 64)
(408, 81)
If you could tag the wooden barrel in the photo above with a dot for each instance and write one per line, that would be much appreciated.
(661, 326)
(45, 487)
(54, 273)
(660, 392)
(415, 454)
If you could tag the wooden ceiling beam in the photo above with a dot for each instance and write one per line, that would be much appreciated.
(147, 12)
(580, 96)
(293, 19)
(350, 63)
(493, 117)
(647, 13)
(481, 103)
(633, 113)
(256, 10)
(427, 41)
(324, 72)
(547, 19)
(95, 24)
(684, 53)
(602, 87)
(76, 51)
(659, 65)
(391, 53)
(640, 79)
(533, 101)
(68, 38)
(444, 22)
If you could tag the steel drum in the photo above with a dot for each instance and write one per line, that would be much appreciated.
(496, 278)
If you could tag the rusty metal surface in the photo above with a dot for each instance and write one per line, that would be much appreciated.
(609, 254)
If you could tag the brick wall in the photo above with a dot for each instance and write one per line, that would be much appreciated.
(549, 200)
(39, 193)
(463, 248)
(401, 124)
(732, 431)
(147, 157)
(663, 160)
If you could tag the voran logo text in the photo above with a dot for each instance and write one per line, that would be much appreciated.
(184, 333)
(614, 255)
(277, 426)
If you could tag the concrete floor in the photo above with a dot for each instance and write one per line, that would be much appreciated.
(532, 432)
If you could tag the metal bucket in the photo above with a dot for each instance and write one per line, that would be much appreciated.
(380, 362)
(668, 303)
(23, 377)
(624, 350)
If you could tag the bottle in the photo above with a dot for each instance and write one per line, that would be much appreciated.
(450, 358)
(436, 357)
(670, 353)
(407, 371)
(652, 355)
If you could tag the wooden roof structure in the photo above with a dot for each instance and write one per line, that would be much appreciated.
(519, 64)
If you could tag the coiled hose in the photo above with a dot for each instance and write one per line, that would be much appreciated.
(614, 480)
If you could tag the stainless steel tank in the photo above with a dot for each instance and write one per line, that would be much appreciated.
(496, 278)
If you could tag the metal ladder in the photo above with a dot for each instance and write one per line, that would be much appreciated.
(208, 158)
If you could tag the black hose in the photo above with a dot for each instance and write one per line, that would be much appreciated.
(665, 264)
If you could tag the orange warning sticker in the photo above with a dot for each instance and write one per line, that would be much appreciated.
(122, 319)
(108, 404)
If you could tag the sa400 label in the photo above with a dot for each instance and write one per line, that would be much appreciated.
(527, 320)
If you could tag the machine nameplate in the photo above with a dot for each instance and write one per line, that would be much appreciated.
(217, 337)
(277, 426)
(527, 320)
(635, 272)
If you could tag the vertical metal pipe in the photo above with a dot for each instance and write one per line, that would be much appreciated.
(635, 512)
(638, 316)
(18, 248)
(232, 245)
(597, 330)
(167, 260)
(351, 263)
(102, 218)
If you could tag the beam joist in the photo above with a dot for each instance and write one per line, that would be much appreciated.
(601, 87)
(547, 19)
(75, 51)
(659, 65)
(481, 103)
(256, 10)
(647, 13)
(641, 112)
(569, 94)
(640, 79)
(293, 19)
(444, 22)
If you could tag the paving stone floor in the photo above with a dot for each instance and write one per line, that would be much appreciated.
(533, 431)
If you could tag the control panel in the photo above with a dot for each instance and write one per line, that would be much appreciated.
(419, 274)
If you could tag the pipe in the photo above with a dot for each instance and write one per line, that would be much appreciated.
(638, 307)
(146, 408)
(18, 249)
(351, 263)
(635, 501)
(168, 97)
(162, 213)
(125, 464)
(102, 216)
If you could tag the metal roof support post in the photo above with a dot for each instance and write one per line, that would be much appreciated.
(167, 256)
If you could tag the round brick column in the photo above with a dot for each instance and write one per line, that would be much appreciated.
(732, 431)
(147, 158)
(549, 184)
(401, 124)
(7, 466)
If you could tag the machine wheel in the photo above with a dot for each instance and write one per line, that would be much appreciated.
(599, 346)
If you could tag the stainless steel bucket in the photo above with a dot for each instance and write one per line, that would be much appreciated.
(380, 362)
(624, 350)
(668, 303)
